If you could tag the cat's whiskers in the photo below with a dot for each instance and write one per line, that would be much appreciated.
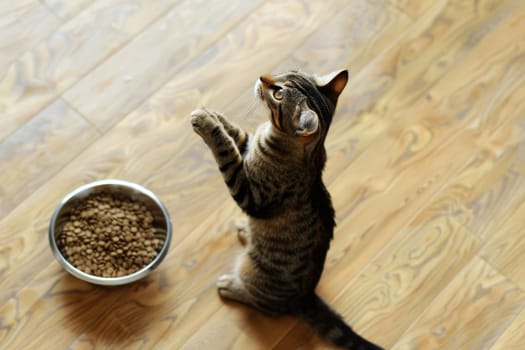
(252, 108)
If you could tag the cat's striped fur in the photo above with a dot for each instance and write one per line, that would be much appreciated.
(275, 176)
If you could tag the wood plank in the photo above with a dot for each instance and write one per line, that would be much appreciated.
(495, 202)
(470, 313)
(67, 9)
(259, 331)
(14, 85)
(22, 24)
(123, 82)
(74, 49)
(506, 246)
(414, 8)
(39, 150)
(437, 43)
(486, 190)
(362, 30)
(399, 83)
(499, 193)
(491, 189)
(514, 337)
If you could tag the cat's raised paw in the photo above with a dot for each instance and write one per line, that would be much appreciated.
(203, 121)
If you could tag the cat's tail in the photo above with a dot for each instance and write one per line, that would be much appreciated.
(330, 326)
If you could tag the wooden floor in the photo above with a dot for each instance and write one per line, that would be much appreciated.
(426, 165)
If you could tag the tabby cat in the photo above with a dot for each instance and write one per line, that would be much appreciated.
(275, 176)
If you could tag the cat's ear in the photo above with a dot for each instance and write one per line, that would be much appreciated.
(307, 124)
(333, 84)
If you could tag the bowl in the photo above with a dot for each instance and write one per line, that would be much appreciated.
(161, 224)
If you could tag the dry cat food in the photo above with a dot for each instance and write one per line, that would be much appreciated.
(109, 235)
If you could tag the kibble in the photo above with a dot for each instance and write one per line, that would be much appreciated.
(109, 235)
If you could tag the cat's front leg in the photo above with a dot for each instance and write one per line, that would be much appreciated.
(238, 134)
(225, 152)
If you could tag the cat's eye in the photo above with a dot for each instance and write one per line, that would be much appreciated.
(278, 94)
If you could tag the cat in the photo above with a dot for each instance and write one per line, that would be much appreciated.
(275, 176)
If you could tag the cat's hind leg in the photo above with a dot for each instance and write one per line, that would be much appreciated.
(231, 286)
(234, 287)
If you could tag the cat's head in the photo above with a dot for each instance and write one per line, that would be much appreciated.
(301, 105)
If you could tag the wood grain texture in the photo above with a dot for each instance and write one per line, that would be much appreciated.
(489, 189)
(413, 8)
(22, 24)
(67, 9)
(465, 307)
(120, 84)
(514, 337)
(399, 84)
(426, 166)
(506, 246)
(74, 49)
(57, 135)
(362, 30)
(286, 24)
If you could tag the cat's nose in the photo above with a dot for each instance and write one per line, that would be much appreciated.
(266, 80)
